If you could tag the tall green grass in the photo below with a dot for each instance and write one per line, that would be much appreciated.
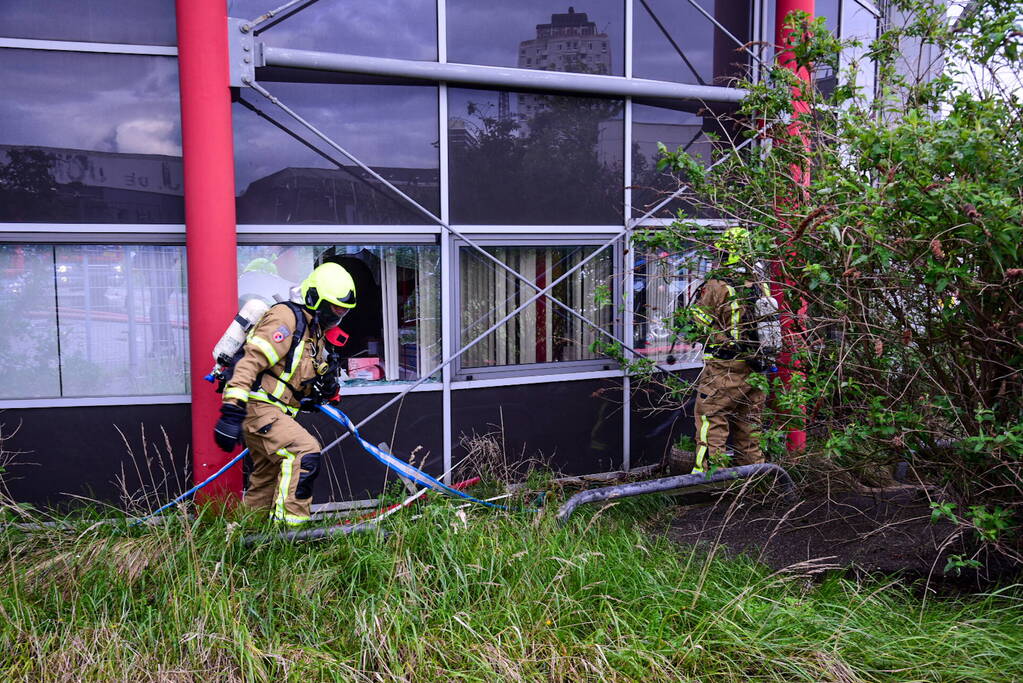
(468, 595)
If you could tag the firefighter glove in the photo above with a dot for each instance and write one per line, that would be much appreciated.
(326, 388)
(228, 430)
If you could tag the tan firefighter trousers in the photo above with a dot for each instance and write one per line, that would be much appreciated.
(285, 463)
(727, 404)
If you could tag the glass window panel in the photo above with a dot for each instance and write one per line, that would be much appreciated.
(394, 330)
(831, 10)
(89, 138)
(825, 78)
(122, 315)
(675, 42)
(542, 332)
(538, 34)
(665, 284)
(535, 159)
(402, 29)
(142, 22)
(675, 129)
(392, 129)
(28, 322)
(860, 24)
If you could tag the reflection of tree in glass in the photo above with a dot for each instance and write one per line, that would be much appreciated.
(650, 186)
(27, 186)
(28, 341)
(546, 168)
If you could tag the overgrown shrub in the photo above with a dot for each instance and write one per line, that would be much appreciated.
(900, 254)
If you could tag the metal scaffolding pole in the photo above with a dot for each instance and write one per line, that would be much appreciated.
(494, 76)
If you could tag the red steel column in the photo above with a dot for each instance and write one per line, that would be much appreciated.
(208, 151)
(796, 439)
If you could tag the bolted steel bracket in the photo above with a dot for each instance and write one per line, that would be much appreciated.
(244, 52)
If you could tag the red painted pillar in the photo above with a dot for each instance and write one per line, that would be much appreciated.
(796, 438)
(208, 151)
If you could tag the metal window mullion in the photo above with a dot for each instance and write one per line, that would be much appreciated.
(627, 285)
(389, 290)
(447, 303)
(626, 380)
(628, 38)
(442, 31)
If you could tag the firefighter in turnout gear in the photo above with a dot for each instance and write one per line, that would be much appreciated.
(726, 402)
(282, 370)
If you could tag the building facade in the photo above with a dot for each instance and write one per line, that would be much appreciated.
(456, 156)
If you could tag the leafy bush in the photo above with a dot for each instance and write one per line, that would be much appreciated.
(901, 249)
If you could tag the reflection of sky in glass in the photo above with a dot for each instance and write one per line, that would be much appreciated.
(146, 22)
(653, 54)
(383, 126)
(488, 32)
(830, 10)
(109, 103)
(392, 129)
(402, 29)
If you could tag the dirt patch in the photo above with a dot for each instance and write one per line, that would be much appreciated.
(881, 531)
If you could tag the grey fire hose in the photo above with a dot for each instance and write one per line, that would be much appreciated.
(671, 483)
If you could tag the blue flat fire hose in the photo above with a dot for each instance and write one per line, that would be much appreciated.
(234, 461)
(390, 461)
(400, 466)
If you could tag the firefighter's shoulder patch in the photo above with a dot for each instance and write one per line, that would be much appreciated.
(281, 333)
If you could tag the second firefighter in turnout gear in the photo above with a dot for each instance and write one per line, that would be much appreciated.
(284, 369)
(726, 402)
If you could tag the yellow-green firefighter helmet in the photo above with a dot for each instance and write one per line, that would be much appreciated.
(735, 245)
(329, 282)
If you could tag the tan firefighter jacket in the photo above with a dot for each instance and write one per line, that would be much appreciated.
(266, 352)
(724, 315)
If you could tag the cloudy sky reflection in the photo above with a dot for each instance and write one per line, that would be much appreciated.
(382, 125)
(107, 103)
(143, 22)
(401, 29)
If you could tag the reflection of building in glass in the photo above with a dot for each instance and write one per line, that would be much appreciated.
(44, 184)
(337, 196)
(570, 42)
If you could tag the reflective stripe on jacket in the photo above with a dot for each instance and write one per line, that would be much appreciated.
(266, 352)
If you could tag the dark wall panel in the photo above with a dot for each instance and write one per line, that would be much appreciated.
(576, 426)
(350, 473)
(105, 453)
(657, 423)
(60, 456)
